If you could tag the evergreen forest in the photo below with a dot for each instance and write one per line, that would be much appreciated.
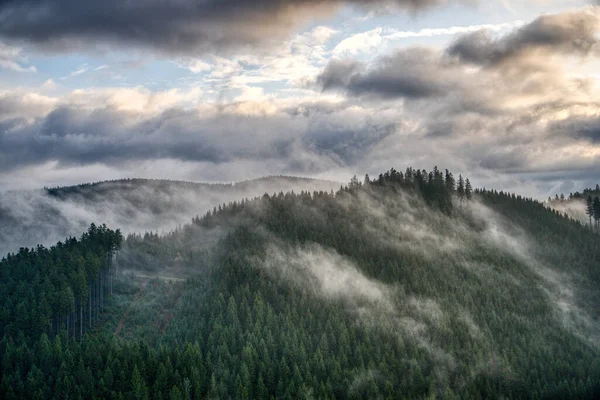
(409, 285)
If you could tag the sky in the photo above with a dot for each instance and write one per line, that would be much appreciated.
(505, 92)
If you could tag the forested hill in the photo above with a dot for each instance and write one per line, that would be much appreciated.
(411, 285)
(584, 206)
(46, 216)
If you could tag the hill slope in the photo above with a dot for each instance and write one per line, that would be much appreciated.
(399, 288)
(43, 217)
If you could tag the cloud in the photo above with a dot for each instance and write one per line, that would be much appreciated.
(170, 26)
(527, 121)
(454, 30)
(377, 39)
(586, 128)
(524, 125)
(423, 73)
(121, 126)
(567, 33)
(12, 58)
(360, 42)
(413, 73)
(193, 65)
(49, 84)
(23, 106)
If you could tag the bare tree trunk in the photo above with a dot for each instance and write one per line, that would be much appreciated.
(111, 272)
(97, 298)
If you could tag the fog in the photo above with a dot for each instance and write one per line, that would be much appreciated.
(328, 275)
(29, 218)
(574, 208)
(557, 282)
(445, 244)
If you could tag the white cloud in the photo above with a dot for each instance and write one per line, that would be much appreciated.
(194, 65)
(12, 58)
(454, 30)
(322, 34)
(82, 69)
(376, 40)
(49, 85)
(137, 99)
(359, 43)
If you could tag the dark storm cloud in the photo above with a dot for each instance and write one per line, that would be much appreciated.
(169, 25)
(414, 73)
(568, 33)
(582, 128)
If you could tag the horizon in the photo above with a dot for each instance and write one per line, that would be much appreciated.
(552, 197)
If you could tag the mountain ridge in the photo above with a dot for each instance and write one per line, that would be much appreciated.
(44, 216)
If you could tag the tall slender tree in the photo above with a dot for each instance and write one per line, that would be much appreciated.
(468, 190)
(589, 209)
(597, 212)
(450, 182)
(460, 190)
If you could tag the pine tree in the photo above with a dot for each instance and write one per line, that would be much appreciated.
(354, 183)
(367, 180)
(138, 385)
(450, 183)
(589, 209)
(460, 190)
(468, 190)
(597, 212)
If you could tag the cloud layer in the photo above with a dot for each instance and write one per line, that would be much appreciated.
(515, 110)
(170, 26)
(513, 102)
(569, 33)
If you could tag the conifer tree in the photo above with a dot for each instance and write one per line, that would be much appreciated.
(460, 190)
(450, 183)
(589, 209)
(597, 212)
(468, 190)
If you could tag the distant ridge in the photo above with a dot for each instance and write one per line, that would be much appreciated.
(128, 182)
(44, 216)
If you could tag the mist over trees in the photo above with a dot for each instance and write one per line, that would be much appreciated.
(407, 285)
(29, 218)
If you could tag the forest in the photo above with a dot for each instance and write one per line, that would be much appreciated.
(408, 285)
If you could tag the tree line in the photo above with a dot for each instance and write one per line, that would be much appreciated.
(63, 287)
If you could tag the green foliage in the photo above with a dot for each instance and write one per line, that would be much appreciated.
(44, 290)
(460, 311)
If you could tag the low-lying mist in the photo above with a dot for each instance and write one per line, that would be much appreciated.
(448, 262)
(29, 218)
(574, 208)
